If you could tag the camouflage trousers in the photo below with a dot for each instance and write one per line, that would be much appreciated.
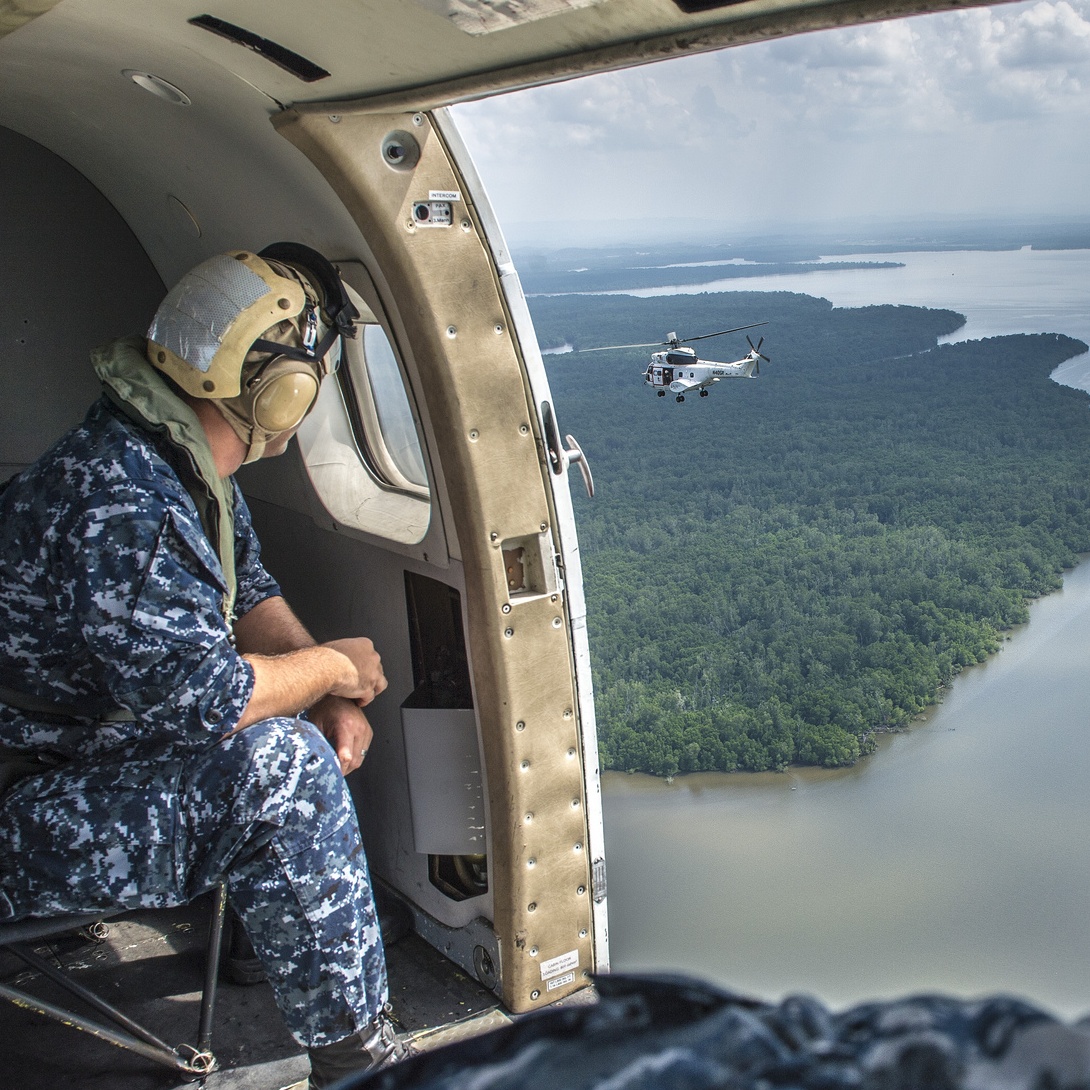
(155, 825)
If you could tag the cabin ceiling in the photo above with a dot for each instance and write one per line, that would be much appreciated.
(412, 53)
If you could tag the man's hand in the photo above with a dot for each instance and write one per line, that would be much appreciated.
(292, 673)
(370, 680)
(346, 727)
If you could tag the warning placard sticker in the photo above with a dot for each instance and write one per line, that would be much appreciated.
(560, 981)
(556, 966)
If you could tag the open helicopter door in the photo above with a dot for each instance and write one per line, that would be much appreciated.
(480, 799)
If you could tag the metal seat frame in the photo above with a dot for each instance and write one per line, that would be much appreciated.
(193, 1060)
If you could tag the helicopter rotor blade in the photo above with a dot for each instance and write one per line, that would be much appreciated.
(736, 329)
(611, 347)
(674, 340)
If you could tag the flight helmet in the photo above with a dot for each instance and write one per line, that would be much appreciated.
(255, 334)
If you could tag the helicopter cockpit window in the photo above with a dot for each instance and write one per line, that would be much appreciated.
(361, 445)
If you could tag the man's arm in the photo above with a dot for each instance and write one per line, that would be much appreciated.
(293, 673)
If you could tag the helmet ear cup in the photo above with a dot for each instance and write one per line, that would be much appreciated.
(274, 399)
(281, 402)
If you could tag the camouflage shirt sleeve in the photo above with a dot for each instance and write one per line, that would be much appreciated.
(255, 584)
(145, 590)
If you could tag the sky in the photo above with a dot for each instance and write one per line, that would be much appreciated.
(982, 112)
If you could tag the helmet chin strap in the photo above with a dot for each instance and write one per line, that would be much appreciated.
(310, 353)
(256, 449)
(254, 438)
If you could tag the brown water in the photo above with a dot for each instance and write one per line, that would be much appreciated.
(955, 859)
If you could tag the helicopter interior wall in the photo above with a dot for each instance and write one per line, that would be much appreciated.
(341, 585)
(72, 276)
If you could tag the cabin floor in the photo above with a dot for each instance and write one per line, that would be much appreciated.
(151, 966)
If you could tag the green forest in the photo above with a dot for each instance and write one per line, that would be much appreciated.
(779, 571)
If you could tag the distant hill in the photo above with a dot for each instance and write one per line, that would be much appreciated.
(663, 259)
(778, 571)
(783, 241)
(563, 271)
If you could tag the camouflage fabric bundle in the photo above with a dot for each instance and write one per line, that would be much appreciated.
(671, 1033)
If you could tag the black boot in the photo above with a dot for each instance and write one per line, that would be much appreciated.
(241, 965)
(376, 1046)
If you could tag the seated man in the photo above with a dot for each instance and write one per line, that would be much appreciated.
(189, 729)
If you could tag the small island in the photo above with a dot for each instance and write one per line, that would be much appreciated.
(779, 571)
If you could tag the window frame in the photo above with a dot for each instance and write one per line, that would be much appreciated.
(352, 473)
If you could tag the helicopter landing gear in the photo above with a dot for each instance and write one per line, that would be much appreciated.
(680, 397)
(703, 393)
(661, 393)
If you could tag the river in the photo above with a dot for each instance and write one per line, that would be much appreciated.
(954, 859)
(998, 291)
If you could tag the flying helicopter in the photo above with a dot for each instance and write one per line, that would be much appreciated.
(681, 371)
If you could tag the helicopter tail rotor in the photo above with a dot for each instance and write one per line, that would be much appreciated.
(756, 354)
(757, 348)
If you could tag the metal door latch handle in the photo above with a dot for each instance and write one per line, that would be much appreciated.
(575, 456)
(561, 458)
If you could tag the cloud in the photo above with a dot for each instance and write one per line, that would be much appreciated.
(939, 72)
(1046, 36)
(982, 108)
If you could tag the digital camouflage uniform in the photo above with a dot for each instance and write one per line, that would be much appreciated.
(677, 1033)
(111, 599)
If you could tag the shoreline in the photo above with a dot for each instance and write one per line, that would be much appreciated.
(952, 862)
(883, 738)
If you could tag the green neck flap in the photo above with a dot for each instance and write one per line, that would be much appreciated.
(144, 396)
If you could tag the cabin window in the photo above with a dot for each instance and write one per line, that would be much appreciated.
(361, 445)
(376, 382)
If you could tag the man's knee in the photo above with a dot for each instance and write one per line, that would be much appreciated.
(279, 771)
(281, 737)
